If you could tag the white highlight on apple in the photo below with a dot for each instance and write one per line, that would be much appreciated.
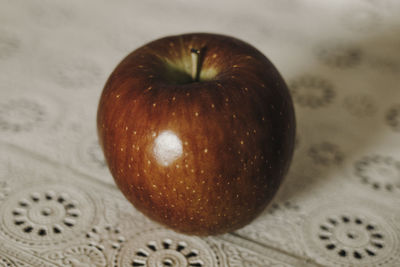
(167, 148)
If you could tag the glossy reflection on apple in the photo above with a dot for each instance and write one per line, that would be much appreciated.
(167, 148)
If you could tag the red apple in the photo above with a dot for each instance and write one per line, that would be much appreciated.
(198, 131)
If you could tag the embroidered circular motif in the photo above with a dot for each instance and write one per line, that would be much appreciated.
(91, 153)
(161, 248)
(360, 105)
(107, 237)
(9, 45)
(386, 64)
(312, 91)
(20, 115)
(281, 207)
(46, 215)
(349, 237)
(76, 73)
(82, 255)
(96, 155)
(4, 190)
(339, 55)
(90, 158)
(393, 118)
(379, 172)
(325, 154)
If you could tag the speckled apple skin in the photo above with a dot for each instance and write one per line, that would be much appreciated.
(237, 133)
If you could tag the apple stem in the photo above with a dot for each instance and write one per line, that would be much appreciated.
(195, 64)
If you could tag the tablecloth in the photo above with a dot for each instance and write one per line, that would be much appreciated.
(340, 202)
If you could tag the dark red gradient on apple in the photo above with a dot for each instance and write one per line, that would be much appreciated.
(202, 156)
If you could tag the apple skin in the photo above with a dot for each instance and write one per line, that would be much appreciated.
(204, 157)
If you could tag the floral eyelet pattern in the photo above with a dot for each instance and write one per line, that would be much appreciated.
(351, 236)
(4, 190)
(326, 154)
(46, 216)
(76, 74)
(107, 237)
(82, 255)
(381, 173)
(164, 248)
(360, 105)
(393, 118)
(312, 91)
(340, 56)
(9, 45)
(93, 153)
(19, 115)
(279, 207)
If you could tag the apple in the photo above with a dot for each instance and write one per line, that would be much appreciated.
(198, 131)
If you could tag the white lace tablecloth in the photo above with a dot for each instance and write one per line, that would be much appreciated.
(340, 204)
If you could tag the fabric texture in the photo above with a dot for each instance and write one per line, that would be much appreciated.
(340, 202)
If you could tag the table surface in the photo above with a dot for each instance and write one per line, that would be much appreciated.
(340, 203)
